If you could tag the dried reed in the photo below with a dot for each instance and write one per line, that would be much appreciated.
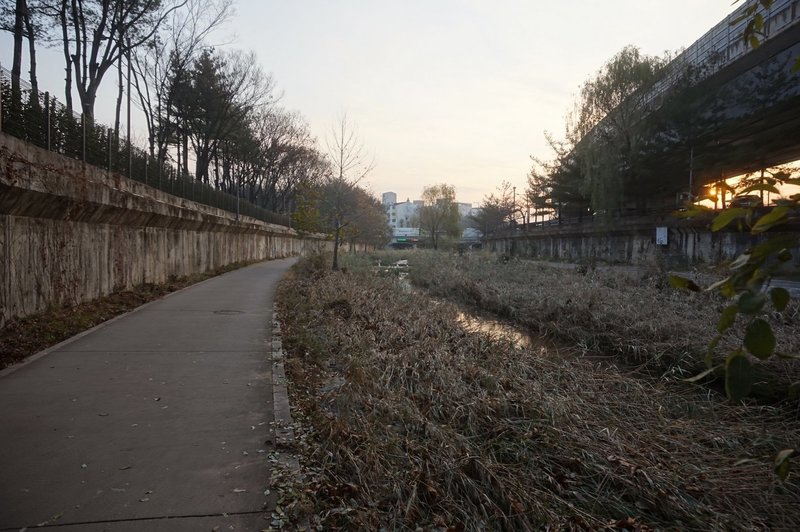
(415, 421)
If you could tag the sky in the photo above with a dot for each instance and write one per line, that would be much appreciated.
(453, 91)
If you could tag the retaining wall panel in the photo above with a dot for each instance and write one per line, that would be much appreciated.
(70, 232)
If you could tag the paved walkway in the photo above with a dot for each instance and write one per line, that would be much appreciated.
(157, 421)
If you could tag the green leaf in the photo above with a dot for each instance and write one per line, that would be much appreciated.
(780, 298)
(740, 261)
(712, 345)
(719, 284)
(749, 11)
(796, 66)
(726, 217)
(676, 281)
(751, 303)
(727, 318)
(703, 375)
(776, 216)
(738, 377)
(759, 339)
(728, 290)
(782, 463)
(784, 255)
(756, 280)
(758, 22)
(758, 187)
(774, 245)
(753, 41)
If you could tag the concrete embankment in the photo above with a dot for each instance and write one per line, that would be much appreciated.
(71, 232)
(674, 242)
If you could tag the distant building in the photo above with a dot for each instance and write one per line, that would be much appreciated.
(464, 209)
(401, 214)
(402, 218)
(389, 198)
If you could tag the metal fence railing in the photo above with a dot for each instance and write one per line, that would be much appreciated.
(724, 43)
(38, 118)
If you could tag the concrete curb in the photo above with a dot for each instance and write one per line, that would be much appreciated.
(44, 352)
(284, 433)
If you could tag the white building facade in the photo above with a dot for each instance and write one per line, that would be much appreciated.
(402, 218)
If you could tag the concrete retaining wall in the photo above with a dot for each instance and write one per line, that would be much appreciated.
(689, 243)
(70, 232)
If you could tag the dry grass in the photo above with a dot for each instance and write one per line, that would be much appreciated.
(415, 421)
(636, 317)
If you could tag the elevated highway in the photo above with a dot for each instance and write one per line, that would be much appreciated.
(723, 108)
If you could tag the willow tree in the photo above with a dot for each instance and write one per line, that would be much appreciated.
(605, 126)
(439, 215)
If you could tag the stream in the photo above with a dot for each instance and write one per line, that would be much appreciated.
(469, 321)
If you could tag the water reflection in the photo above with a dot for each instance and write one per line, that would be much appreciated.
(495, 329)
(469, 322)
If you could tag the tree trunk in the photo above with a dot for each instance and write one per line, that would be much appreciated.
(336, 246)
(201, 165)
(16, 64)
(186, 152)
(87, 103)
(32, 54)
(180, 160)
(216, 171)
(119, 99)
(62, 15)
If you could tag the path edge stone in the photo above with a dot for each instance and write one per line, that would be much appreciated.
(284, 433)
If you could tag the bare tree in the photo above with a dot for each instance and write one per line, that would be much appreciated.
(349, 164)
(13, 21)
(96, 33)
(165, 58)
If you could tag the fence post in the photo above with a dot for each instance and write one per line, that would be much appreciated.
(47, 117)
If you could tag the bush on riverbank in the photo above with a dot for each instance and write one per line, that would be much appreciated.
(415, 421)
